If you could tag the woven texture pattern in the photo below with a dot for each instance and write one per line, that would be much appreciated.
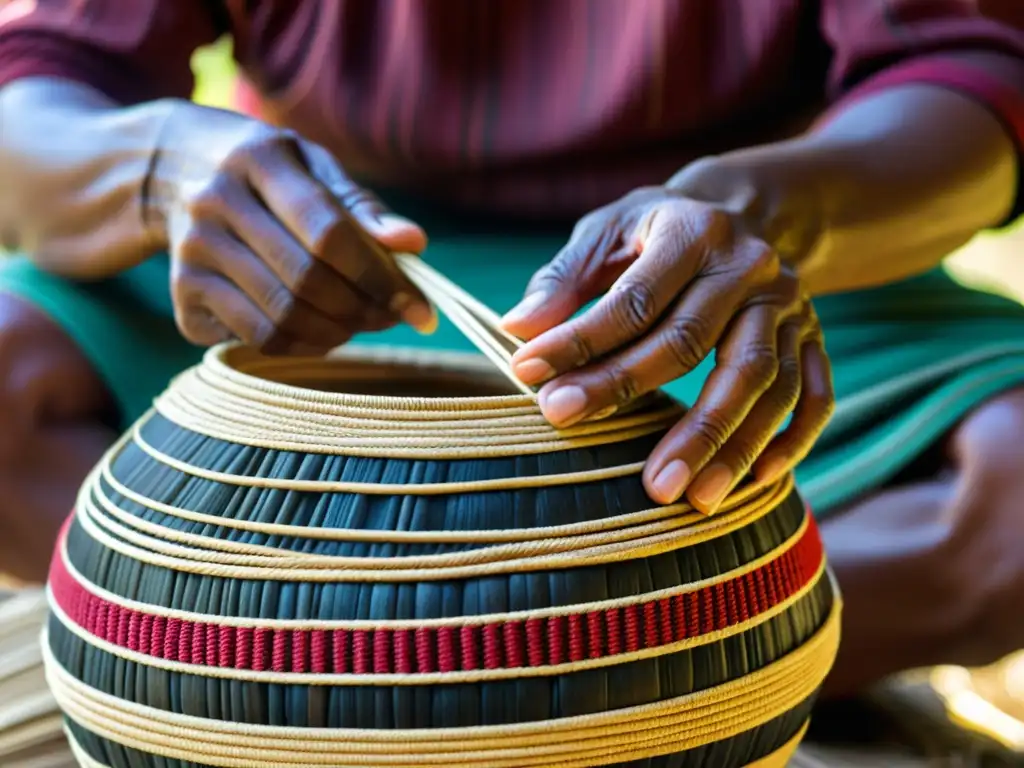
(378, 560)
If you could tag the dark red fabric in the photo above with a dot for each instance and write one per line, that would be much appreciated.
(524, 106)
(509, 645)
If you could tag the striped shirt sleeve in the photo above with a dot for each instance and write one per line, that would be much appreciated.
(972, 47)
(131, 50)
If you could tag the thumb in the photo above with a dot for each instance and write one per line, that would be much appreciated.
(581, 272)
(396, 233)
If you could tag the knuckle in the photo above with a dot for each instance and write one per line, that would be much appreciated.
(761, 262)
(278, 302)
(759, 364)
(555, 274)
(258, 140)
(208, 200)
(787, 380)
(193, 245)
(634, 307)
(356, 198)
(622, 385)
(590, 221)
(712, 430)
(582, 349)
(685, 341)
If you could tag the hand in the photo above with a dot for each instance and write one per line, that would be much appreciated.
(271, 243)
(683, 278)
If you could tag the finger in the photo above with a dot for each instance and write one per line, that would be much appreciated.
(219, 251)
(811, 416)
(673, 251)
(395, 232)
(209, 309)
(583, 269)
(732, 463)
(746, 366)
(304, 276)
(676, 347)
(317, 219)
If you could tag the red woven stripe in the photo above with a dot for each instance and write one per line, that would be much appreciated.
(425, 653)
(492, 646)
(279, 660)
(243, 648)
(226, 647)
(531, 643)
(470, 645)
(339, 651)
(632, 619)
(556, 640)
(362, 662)
(156, 642)
(446, 655)
(515, 645)
(382, 657)
(595, 634)
(535, 642)
(405, 652)
(318, 651)
(575, 637)
(300, 651)
(260, 646)
(613, 618)
(651, 625)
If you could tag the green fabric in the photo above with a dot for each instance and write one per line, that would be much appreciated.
(909, 359)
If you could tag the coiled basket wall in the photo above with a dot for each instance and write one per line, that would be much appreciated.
(379, 559)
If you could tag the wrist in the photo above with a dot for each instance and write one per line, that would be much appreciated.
(165, 169)
(776, 192)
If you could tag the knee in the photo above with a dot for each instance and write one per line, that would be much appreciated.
(43, 376)
(987, 442)
(983, 556)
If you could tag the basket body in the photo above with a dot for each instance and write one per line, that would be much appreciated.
(266, 573)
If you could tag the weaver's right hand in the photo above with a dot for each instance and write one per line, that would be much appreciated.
(271, 243)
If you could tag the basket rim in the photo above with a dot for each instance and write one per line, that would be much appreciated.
(244, 365)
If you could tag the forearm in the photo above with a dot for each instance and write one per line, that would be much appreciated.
(885, 190)
(74, 166)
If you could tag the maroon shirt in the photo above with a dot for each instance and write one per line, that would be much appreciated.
(536, 107)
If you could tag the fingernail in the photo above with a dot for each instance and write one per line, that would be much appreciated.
(525, 308)
(711, 487)
(671, 481)
(564, 405)
(533, 371)
(391, 222)
(417, 314)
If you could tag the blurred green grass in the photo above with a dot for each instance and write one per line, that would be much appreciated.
(215, 73)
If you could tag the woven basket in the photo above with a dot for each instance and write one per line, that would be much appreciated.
(387, 559)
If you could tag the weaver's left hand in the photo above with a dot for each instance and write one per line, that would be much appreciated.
(683, 278)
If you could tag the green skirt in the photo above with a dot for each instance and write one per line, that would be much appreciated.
(909, 359)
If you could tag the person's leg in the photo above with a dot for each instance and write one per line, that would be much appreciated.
(919, 480)
(931, 569)
(78, 364)
(54, 426)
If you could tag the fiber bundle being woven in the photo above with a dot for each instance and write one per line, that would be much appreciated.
(391, 559)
